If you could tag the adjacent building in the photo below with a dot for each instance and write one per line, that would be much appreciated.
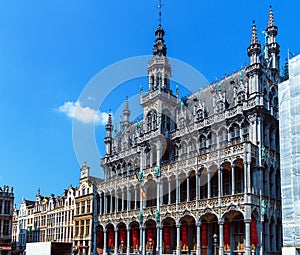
(289, 122)
(198, 174)
(85, 212)
(6, 219)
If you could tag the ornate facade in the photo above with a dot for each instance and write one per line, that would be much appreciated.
(201, 174)
(6, 219)
(45, 219)
(85, 211)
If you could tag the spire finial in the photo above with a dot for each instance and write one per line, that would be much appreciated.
(271, 17)
(159, 6)
(109, 121)
(254, 39)
(126, 103)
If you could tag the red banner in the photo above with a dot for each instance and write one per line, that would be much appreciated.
(123, 236)
(100, 239)
(184, 235)
(135, 237)
(204, 234)
(253, 233)
(166, 231)
(226, 233)
(111, 238)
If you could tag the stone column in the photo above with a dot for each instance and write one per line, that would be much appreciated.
(135, 197)
(128, 241)
(158, 247)
(232, 179)
(105, 202)
(208, 183)
(128, 199)
(100, 204)
(123, 200)
(198, 249)
(116, 201)
(116, 240)
(177, 190)
(221, 237)
(169, 189)
(220, 181)
(143, 240)
(247, 239)
(160, 239)
(104, 241)
(178, 239)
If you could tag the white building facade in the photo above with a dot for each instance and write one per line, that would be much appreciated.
(201, 174)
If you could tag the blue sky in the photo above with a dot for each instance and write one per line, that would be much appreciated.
(51, 49)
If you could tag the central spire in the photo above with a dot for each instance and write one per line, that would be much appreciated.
(159, 47)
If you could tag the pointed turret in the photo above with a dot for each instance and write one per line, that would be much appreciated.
(273, 46)
(255, 68)
(108, 138)
(126, 114)
(255, 48)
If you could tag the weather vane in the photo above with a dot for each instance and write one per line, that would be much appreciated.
(159, 6)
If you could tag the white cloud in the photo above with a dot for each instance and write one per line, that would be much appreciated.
(83, 114)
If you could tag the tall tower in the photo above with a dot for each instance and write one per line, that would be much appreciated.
(254, 70)
(159, 68)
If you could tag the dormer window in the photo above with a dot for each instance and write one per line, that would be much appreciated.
(220, 106)
(240, 97)
(199, 115)
(151, 121)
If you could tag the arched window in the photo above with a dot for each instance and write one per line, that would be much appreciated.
(245, 130)
(235, 134)
(151, 121)
(223, 136)
(202, 144)
(212, 139)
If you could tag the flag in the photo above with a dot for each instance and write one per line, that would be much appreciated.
(143, 193)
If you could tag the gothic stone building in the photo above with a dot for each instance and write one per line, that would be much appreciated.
(198, 175)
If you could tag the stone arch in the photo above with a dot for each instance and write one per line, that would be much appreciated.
(234, 230)
(169, 235)
(110, 240)
(134, 235)
(188, 232)
(150, 232)
(209, 227)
